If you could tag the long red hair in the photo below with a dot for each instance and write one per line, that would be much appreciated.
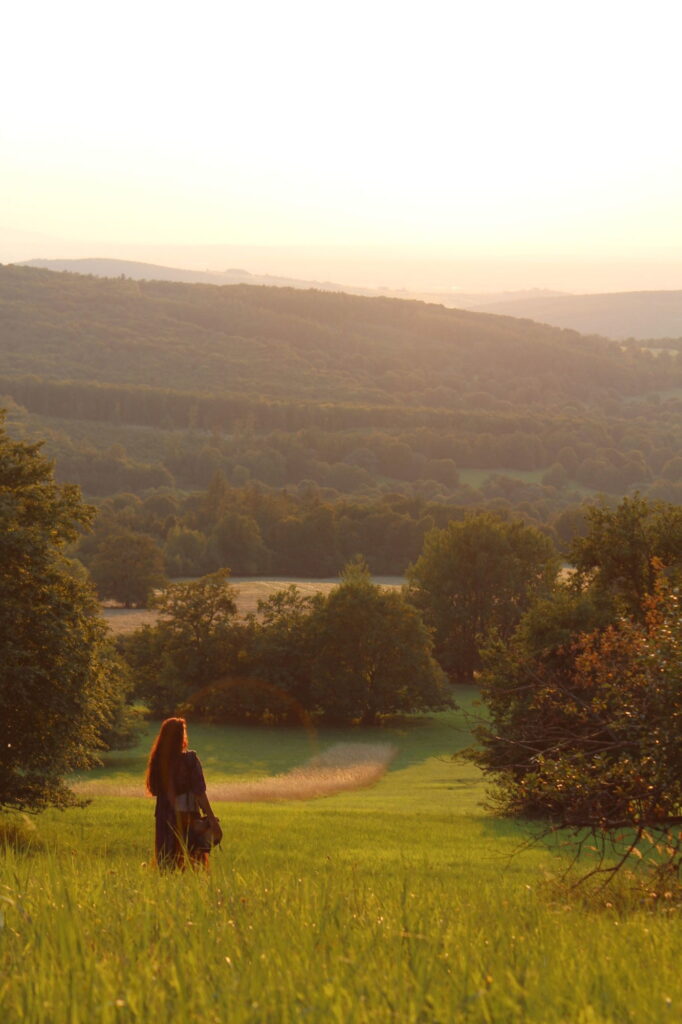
(164, 756)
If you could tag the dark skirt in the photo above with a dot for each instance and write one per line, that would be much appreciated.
(170, 839)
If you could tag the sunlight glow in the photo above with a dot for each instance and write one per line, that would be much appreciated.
(529, 130)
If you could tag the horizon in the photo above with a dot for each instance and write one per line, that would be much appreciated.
(473, 150)
(374, 269)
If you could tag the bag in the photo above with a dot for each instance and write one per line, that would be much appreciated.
(201, 836)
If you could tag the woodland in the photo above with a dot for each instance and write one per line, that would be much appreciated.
(297, 428)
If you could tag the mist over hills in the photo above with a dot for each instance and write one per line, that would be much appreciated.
(641, 315)
(139, 271)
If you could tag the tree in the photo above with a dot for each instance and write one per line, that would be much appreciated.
(588, 734)
(372, 653)
(127, 567)
(195, 643)
(238, 544)
(283, 650)
(185, 552)
(58, 681)
(474, 576)
(617, 555)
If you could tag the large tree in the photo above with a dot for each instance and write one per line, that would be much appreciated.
(475, 576)
(372, 653)
(193, 646)
(57, 677)
(128, 567)
(587, 734)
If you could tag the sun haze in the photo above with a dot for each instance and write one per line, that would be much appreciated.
(448, 145)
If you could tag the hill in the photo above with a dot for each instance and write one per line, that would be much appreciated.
(142, 384)
(293, 344)
(137, 271)
(642, 315)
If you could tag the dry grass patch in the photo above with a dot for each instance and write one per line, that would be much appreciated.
(249, 593)
(342, 767)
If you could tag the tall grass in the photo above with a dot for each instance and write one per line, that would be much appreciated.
(404, 902)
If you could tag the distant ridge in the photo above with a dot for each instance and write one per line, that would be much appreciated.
(154, 272)
(618, 315)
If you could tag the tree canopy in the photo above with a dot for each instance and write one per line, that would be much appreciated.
(373, 655)
(584, 725)
(475, 576)
(194, 644)
(58, 679)
(359, 653)
(622, 547)
(127, 567)
(591, 738)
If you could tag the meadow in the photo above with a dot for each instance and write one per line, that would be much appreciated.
(403, 901)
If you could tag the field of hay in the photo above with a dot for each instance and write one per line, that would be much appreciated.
(401, 901)
(250, 590)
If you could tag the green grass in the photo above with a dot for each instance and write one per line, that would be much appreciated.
(405, 902)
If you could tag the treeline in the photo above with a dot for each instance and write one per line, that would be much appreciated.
(256, 532)
(636, 448)
(260, 532)
(358, 653)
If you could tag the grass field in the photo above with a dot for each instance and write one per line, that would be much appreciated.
(400, 902)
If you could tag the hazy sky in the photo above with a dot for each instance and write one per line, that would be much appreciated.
(445, 137)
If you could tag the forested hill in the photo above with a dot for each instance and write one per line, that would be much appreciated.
(138, 385)
(290, 344)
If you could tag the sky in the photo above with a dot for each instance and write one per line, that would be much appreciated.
(475, 145)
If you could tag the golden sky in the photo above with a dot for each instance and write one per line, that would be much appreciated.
(526, 133)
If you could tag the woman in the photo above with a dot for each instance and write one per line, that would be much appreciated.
(176, 779)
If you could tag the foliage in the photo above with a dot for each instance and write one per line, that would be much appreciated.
(194, 644)
(589, 735)
(127, 567)
(619, 553)
(124, 721)
(127, 381)
(476, 576)
(359, 653)
(58, 684)
(296, 344)
(282, 652)
(372, 653)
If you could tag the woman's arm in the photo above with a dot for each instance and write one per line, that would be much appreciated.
(202, 800)
(198, 784)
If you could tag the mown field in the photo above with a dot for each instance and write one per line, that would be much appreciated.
(248, 592)
(401, 902)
